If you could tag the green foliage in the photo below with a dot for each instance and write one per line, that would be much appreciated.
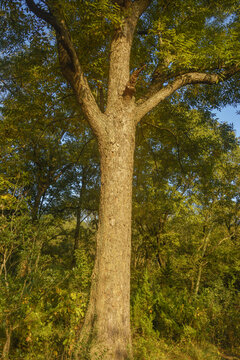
(186, 236)
(142, 308)
(48, 305)
(42, 299)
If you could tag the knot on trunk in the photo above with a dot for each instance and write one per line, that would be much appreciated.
(131, 84)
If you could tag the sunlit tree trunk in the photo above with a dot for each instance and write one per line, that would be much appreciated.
(6, 347)
(108, 317)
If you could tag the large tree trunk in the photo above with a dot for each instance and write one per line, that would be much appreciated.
(107, 324)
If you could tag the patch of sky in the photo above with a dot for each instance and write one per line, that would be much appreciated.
(226, 21)
(230, 115)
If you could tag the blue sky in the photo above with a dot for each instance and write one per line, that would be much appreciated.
(229, 114)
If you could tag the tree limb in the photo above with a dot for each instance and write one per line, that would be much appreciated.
(158, 93)
(227, 357)
(142, 5)
(71, 68)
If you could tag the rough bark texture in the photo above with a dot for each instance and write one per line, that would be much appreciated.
(107, 324)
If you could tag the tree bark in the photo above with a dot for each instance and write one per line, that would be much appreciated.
(107, 324)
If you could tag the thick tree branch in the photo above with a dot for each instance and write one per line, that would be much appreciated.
(43, 14)
(159, 93)
(119, 70)
(123, 3)
(71, 68)
(141, 5)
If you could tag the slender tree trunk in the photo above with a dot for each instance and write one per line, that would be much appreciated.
(36, 206)
(77, 229)
(7, 344)
(107, 323)
(79, 212)
(198, 278)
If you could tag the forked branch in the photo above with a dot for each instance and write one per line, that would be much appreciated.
(158, 94)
